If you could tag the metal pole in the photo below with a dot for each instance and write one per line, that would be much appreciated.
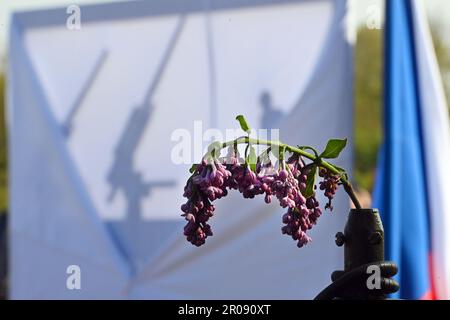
(363, 241)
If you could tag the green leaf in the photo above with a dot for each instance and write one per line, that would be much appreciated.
(193, 168)
(333, 148)
(252, 158)
(309, 192)
(243, 123)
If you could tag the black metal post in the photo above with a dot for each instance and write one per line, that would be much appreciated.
(363, 238)
(363, 241)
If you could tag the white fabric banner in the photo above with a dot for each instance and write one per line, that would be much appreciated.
(436, 135)
(92, 115)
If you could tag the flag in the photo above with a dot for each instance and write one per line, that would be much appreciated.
(411, 191)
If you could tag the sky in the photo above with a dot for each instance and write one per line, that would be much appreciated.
(438, 10)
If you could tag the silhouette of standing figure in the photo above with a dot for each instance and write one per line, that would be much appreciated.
(271, 115)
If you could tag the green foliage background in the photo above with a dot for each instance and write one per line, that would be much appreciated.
(368, 102)
(368, 106)
(443, 55)
(369, 96)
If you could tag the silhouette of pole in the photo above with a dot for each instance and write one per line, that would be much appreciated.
(67, 127)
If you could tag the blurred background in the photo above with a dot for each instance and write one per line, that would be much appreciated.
(368, 88)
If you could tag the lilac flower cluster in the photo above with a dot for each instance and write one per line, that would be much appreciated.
(287, 182)
(205, 186)
(329, 185)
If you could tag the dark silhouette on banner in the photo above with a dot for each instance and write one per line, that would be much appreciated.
(270, 116)
(124, 177)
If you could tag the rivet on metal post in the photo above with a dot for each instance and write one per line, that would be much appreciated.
(375, 238)
(340, 239)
